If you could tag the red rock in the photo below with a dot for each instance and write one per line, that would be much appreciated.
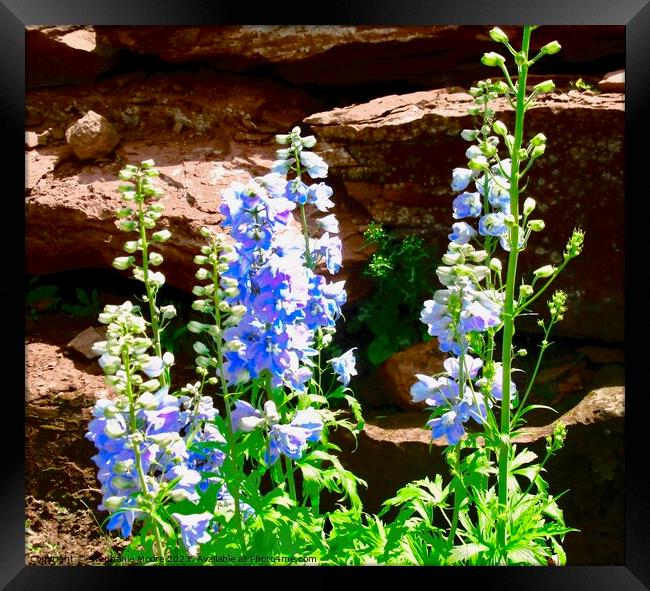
(61, 55)
(398, 372)
(398, 153)
(613, 82)
(92, 137)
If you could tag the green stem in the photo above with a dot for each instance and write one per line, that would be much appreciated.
(151, 293)
(509, 312)
(230, 436)
(454, 518)
(126, 361)
(545, 345)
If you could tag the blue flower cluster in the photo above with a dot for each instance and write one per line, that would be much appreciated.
(150, 444)
(289, 439)
(286, 301)
(469, 304)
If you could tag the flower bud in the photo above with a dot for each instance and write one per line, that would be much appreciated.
(473, 111)
(196, 327)
(151, 385)
(546, 86)
(500, 128)
(536, 225)
(495, 265)
(529, 205)
(525, 291)
(155, 258)
(200, 260)
(131, 246)
(309, 141)
(113, 503)
(202, 274)
(478, 163)
(198, 290)
(161, 235)
(282, 138)
(492, 59)
(168, 359)
(538, 151)
(498, 35)
(123, 263)
(168, 312)
(543, 272)
(550, 48)
(127, 225)
(124, 212)
(522, 353)
(538, 140)
(200, 348)
(469, 135)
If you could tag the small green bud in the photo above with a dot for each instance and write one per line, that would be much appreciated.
(168, 312)
(155, 258)
(200, 348)
(161, 235)
(529, 205)
(493, 59)
(123, 263)
(520, 58)
(536, 225)
(200, 260)
(538, 151)
(574, 246)
(147, 163)
(202, 361)
(498, 35)
(546, 86)
(522, 353)
(124, 212)
(538, 140)
(509, 220)
(495, 265)
(543, 272)
(202, 274)
(283, 138)
(478, 163)
(131, 246)
(469, 135)
(473, 111)
(198, 290)
(525, 291)
(550, 48)
(500, 87)
(196, 327)
(151, 385)
(127, 225)
(500, 128)
(113, 503)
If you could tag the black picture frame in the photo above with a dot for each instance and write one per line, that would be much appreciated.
(634, 14)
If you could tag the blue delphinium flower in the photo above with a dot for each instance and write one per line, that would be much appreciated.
(344, 366)
(461, 178)
(194, 530)
(462, 233)
(287, 302)
(467, 205)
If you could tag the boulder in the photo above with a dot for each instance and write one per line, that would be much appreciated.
(419, 56)
(92, 136)
(229, 136)
(613, 82)
(69, 54)
(394, 156)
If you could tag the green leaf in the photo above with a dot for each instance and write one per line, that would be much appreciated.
(380, 349)
(525, 457)
(466, 551)
(82, 296)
